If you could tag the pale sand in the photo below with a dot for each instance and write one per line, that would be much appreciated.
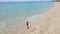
(49, 23)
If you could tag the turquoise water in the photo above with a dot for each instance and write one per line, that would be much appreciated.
(18, 11)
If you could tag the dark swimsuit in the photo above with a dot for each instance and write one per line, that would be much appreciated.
(27, 23)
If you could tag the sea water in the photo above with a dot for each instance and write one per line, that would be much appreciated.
(16, 12)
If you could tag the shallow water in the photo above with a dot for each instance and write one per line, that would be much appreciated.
(17, 12)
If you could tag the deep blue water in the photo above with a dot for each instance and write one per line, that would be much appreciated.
(21, 9)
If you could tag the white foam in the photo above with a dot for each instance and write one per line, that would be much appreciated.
(34, 18)
(2, 24)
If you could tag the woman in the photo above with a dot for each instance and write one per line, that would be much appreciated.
(27, 25)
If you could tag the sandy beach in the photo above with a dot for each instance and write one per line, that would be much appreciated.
(48, 23)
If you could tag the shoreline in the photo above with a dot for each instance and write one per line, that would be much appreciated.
(18, 31)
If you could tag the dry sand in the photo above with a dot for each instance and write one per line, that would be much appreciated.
(49, 23)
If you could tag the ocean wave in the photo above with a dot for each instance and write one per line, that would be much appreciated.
(34, 18)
